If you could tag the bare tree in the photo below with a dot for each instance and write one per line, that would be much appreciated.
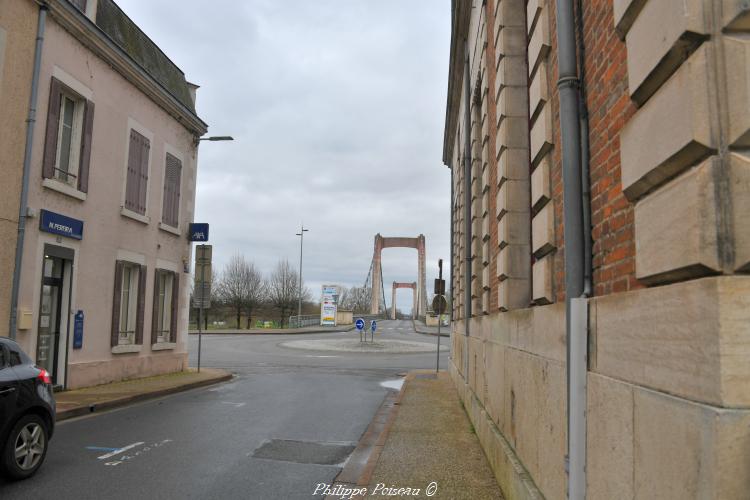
(235, 286)
(356, 299)
(283, 289)
(256, 291)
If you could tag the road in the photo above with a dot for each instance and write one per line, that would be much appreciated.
(241, 439)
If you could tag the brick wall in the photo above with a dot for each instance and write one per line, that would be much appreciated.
(610, 107)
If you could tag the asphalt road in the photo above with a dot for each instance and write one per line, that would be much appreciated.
(241, 439)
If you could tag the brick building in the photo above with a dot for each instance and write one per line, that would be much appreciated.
(660, 180)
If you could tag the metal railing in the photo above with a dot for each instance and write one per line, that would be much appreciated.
(304, 320)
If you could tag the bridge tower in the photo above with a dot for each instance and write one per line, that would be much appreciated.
(396, 286)
(418, 244)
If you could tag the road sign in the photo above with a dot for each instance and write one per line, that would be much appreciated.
(198, 231)
(360, 324)
(439, 286)
(202, 288)
(373, 325)
(439, 304)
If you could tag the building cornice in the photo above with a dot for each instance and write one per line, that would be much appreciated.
(91, 36)
(460, 18)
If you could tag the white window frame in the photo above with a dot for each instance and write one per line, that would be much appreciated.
(131, 271)
(70, 176)
(165, 307)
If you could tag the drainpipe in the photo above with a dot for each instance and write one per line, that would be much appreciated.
(23, 208)
(467, 203)
(583, 111)
(576, 310)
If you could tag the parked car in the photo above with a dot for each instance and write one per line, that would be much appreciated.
(27, 412)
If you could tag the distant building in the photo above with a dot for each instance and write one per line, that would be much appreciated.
(111, 191)
(660, 199)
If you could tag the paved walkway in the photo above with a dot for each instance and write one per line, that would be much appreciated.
(277, 331)
(421, 439)
(420, 327)
(87, 400)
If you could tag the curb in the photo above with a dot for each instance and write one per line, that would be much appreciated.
(358, 473)
(434, 334)
(250, 332)
(126, 400)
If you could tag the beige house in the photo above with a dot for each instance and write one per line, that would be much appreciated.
(103, 289)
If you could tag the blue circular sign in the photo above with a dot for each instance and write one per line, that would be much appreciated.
(373, 325)
(360, 324)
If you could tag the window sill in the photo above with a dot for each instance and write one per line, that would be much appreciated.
(169, 229)
(66, 189)
(126, 348)
(163, 346)
(135, 216)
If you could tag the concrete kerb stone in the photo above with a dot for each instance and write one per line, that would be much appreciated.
(276, 331)
(116, 402)
(421, 328)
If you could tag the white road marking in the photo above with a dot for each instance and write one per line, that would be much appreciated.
(118, 451)
(236, 405)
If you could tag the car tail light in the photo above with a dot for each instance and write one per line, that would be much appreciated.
(44, 376)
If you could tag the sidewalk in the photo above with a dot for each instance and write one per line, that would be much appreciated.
(421, 437)
(277, 331)
(420, 327)
(90, 399)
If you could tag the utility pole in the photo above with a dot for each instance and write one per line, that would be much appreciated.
(301, 235)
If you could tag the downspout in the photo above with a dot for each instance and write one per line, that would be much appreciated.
(576, 311)
(23, 208)
(583, 110)
(467, 202)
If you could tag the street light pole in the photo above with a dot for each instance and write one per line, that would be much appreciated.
(301, 235)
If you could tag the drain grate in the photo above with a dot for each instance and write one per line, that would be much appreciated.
(426, 375)
(304, 452)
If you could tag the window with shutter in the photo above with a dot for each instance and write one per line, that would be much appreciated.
(136, 184)
(171, 201)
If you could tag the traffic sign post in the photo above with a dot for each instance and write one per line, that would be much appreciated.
(360, 324)
(202, 289)
(440, 302)
(373, 327)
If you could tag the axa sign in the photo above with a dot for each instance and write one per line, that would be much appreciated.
(198, 231)
(50, 222)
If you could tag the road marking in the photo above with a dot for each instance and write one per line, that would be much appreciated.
(101, 448)
(236, 405)
(120, 450)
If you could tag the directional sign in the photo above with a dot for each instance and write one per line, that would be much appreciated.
(373, 325)
(202, 287)
(360, 324)
(439, 286)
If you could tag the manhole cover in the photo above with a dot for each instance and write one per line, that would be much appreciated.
(304, 452)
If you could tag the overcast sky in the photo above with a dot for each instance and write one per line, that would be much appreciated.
(337, 110)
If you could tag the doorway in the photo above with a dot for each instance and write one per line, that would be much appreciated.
(54, 305)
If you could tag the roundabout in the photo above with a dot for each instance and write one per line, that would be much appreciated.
(382, 346)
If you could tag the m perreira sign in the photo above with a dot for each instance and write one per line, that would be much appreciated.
(329, 305)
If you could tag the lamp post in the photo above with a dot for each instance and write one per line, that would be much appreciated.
(301, 235)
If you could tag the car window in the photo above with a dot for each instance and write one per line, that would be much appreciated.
(15, 357)
(3, 360)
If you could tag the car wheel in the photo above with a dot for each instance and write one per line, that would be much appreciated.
(25, 448)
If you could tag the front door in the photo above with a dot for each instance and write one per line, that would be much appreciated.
(50, 317)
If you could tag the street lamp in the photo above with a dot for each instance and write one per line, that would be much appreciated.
(214, 138)
(301, 235)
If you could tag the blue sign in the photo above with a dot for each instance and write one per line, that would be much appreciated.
(373, 325)
(360, 324)
(198, 231)
(50, 222)
(78, 330)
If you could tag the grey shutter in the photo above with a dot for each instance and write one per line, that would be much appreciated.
(117, 294)
(134, 165)
(141, 305)
(143, 176)
(50, 140)
(175, 307)
(88, 129)
(155, 310)
(172, 181)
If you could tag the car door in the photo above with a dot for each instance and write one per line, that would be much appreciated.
(8, 389)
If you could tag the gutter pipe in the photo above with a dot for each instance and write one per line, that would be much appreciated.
(467, 200)
(576, 321)
(23, 208)
(583, 111)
